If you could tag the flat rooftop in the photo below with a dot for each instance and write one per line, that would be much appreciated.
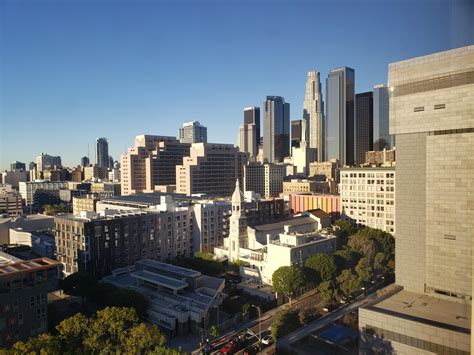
(28, 265)
(169, 267)
(147, 199)
(426, 309)
(296, 221)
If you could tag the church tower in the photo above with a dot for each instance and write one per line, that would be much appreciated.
(238, 225)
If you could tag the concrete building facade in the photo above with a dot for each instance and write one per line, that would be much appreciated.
(432, 117)
(264, 179)
(368, 197)
(193, 132)
(10, 201)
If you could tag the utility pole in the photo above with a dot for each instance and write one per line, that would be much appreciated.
(259, 327)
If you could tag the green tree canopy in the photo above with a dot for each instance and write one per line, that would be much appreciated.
(79, 284)
(348, 282)
(287, 280)
(52, 210)
(345, 230)
(363, 244)
(364, 271)
(346, 259)
(327, 291)
(322, 265)
(43, 344)
(286, 321)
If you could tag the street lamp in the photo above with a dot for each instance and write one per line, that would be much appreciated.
(259, 326)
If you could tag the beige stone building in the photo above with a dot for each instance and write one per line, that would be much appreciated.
(264, 179)
(10, 201)
(368, 197)
(151, 162)
(432, 117)
(84, 203)
(296, 185)
(210, 168)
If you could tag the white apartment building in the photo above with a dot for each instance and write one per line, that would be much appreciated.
(368, 197)
(28, 189)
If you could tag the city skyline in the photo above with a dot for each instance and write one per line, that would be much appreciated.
(66, 78)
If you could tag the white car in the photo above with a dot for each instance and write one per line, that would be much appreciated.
(267, 340)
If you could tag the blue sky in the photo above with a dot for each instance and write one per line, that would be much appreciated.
(72, 71)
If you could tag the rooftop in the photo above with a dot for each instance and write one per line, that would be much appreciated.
(296, 221)
(169, 267)
(427, 309)
(147, 199)
(28, 265)
(319, 213)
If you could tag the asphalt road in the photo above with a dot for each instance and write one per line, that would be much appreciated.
(308, 300)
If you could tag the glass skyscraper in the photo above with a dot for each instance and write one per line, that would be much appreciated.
(364, 125)
(276, 129)
(340, 115)
(102, 151)
(313, 114)
(252, 116)
(382, 138)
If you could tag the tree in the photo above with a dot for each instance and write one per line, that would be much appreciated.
(214, 331)
(287, 280)
(380, 263)
(362, 244)
(79, 284)
(346, 259)
(347, 282)
(344, 230)
(327, 291)
(322, 265)
(43, 344)
(143, 338)
(52, 210)
(245, 308)
(286, 321)
(364, 270)
(72, 331)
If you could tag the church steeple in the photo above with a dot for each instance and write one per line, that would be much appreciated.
(238, 224)
(237, 200)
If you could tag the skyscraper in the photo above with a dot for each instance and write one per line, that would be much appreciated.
(85, 161)
(276, 129)
(246, 140)
(102, 151)
(313, 114)
(364, 125)
(193, 132)
(432, 116)
(16, 165)
(382, 138)
(296, 133)
(340, 115)
(252, 116)
(45, 161)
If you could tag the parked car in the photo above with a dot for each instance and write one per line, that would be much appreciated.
(267, 339)
(251, 350)
(227, 349)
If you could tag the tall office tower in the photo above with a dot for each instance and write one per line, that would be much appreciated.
(252, 116)
(102, 151)
(340, 116)
(151, 162)
(85, 161)
(264, 179)
(382, 138)
(296, 133)
(45, 161)
(276, 129)
(193, 132)
(16, 165)
(210, 168)
(246, 141)
(313, 114)
(364, 125)
(432, 116)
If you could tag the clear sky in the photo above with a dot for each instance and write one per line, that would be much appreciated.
(75, 70)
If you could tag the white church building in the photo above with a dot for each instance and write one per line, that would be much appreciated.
(269, 246)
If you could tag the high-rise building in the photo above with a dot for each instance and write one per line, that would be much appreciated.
(432, 118)
(252, 116)
(10, 201)
(102, 151)
(373, 204)
(210, 168)
(296, 133)
(151, 162)
(193, 132)
(381, 136)
(264, 179)
(276, 129)
(302, 157)
(364, 125)
(313, 114)
(16, 165)
(340, 115)
(85, 161)
(45, 161)
(246, 139)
